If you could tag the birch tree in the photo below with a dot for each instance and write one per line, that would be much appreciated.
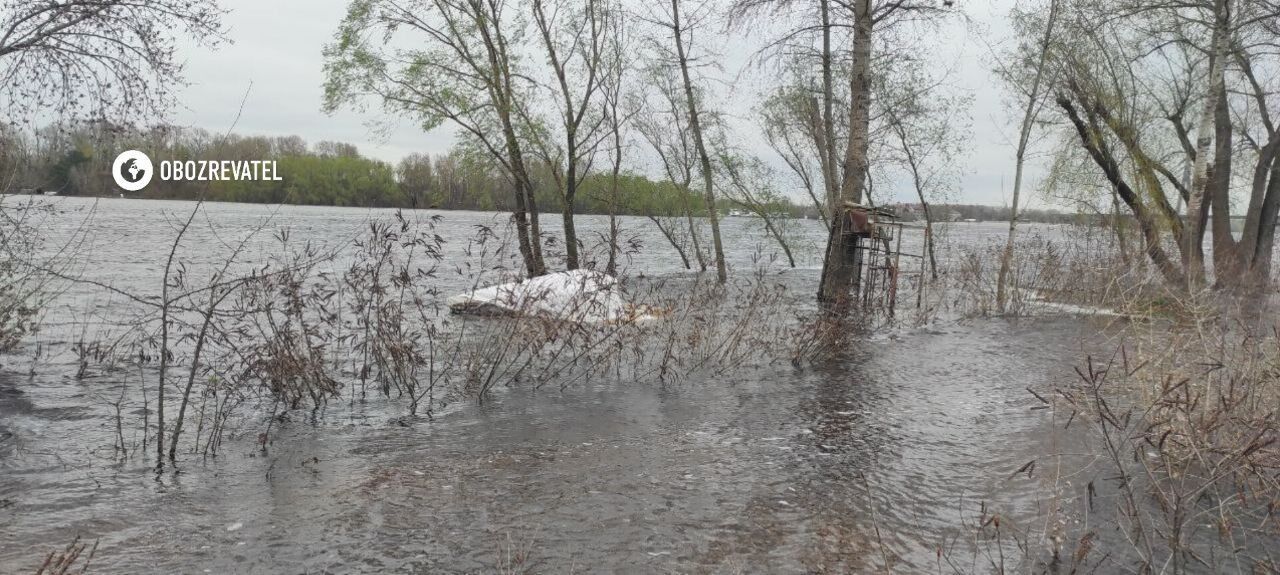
(1202, 196)
(1150, 88)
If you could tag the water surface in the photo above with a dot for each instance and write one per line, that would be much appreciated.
(779, 469)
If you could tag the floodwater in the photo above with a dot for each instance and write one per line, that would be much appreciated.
(883, 453)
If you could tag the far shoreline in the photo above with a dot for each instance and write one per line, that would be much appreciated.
(543, 215)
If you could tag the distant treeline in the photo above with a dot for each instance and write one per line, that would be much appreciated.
(975, 212)
(77, 162)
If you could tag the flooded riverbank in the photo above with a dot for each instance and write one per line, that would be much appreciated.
(876, 456)
(785, 470)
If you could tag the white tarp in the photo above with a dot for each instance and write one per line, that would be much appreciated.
(581, 296)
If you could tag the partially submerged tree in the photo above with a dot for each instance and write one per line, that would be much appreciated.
(814, 103)
(664, 125)
(1151, 88)
(574, 40)
(1073, 180)
(667, 206)
(462, 70)
(838, 273)
(1028, 76)
(787, 119)
(927, 137)
(844, 158)
(681, 19)
(745, 181)
(617, 117)
(417, 178)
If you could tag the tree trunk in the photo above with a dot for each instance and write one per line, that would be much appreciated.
(1226, 257)
(1102, 156)
(502, 93)
(840, 266)
(693, 229)
(612, 266)
(1024, 137)
(526, 219)
(1257, 198)
(535, 231)
(570, 193)
(827, 148)
(928, 238)
(1201, 190)
(1260, 263)
(695, 125)
(1117, 226)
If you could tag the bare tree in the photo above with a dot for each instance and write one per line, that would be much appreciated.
(786, 117)
(464, 73)
(812, 32)
(682, 26)
(1144, 66)
(617, 120)
(663, 124)
(574, 40)
(745, 181)
(111, 59)
(1034, 101)
(927, 137)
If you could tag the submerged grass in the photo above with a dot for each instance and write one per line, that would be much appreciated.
(1174, 464)
(230, 350)
(1180, 473)
(67, 561)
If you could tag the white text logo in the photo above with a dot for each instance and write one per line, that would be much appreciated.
(133, 170)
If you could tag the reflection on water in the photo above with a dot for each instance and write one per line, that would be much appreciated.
(780, 470)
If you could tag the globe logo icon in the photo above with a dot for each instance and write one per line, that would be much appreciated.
(132, 170)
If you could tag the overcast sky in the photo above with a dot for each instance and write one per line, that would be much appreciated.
(276, 46)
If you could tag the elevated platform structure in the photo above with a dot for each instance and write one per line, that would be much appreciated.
(874, 246)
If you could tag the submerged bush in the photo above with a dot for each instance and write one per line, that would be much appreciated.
(26, 282)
